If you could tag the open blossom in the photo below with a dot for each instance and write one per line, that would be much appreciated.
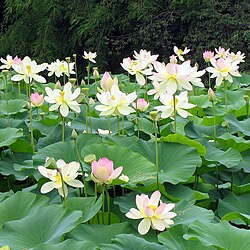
(65, 173)
(59, 68)
(9, 61)
(63, 99)
(158, 90)
(223, 70)
(90, 56)
(141, 104)
(103, 171)
(207, 55)
(145, 57)
(107, 82)
(181, 104)
(180, 52)
(36, 99)
(153, 211)
(28, 70)
(221, 53)
(237, 58)
(115, 102)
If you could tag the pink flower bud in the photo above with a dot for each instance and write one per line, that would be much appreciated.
(173, 59)
(36, 99)
(211, 95)
(17, 60)
(107, 82)
(142, 104)
(207, 55)
(103, 171)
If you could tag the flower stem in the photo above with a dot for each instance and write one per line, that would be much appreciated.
(63, 128)
(108, 202)
(214, 120)
(31, 122)
(109, 125)
(83, 176)
(19, 90)
(90, 119)
(76, 70)
(64, 195)
(86, 119)
(88, 72)
(7, 99)
(174, 113)
(103, 203)
(137, 115)
(156, 156)
(225, 94)
(118, 124)
(123, 132)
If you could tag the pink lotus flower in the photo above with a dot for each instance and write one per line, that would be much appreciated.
(142, 105)
(107, 82)
(103, 171)
(207, 55)
(154, 212)
(36, 99)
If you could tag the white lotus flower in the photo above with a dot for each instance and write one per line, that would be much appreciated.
(90, 56)
(28, 70)
(60, 67)
(180, 52)
(63, 99)
(68, 172)
(115, 102)
(181, 104)
(9, 61)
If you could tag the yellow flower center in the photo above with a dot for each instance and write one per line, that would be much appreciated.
(180, 51)
(28, 67)
(153, 207)
(63, 68)
(61, 97)
(226, 70)
(172, 102)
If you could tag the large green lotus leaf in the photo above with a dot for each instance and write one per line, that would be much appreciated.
(229, 158)
(59, 150)
(67, 245)
(221, 235)
(201, 101)
(5, 195)
(230, 141)
(135, 166)
(21, 146)
(9, 136)
(13, 106)
(131, 242)
(238, 126)
(173, 240)
(20, 205)
(177, 162)
(234, 203)
(84, 140)
(88, 205)
(44, 225)
(185, 141)
(98, 234)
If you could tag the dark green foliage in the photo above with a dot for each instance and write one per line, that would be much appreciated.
(51, 29)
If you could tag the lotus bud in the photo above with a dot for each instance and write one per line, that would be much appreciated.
(58, 85)
(225, 124)
(72, 81)
(36, 99)
(74, 55)
(85, 91)
(83, 83)
(74, 134)
(142, 105)
(107, 82)
(91, 101)
(211, 95)
(67, 59)
(154, 115)
(196, 65)
(89, 158)
(124, 178)
(173, 59)
(50, 163)
(95, 73)
(207, 55)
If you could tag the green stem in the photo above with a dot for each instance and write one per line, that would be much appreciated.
(68, 71)
(37, 114)
(214, 121)
(156, 156)
(174, 114)
(64, 79)
(225, 94)
(19, 90)
(86, 119)
(137, 115)
(64, 194)
(83, 176)
(123, 131)
(209, 76)
(247, 107)
(76, 71)
(217, 176)
(63, 129)
(7, 99)
(90, 119)
(88, 72)
(103, 203)
(118, 124)
(31, 121)
(109, 125)
(108, 202)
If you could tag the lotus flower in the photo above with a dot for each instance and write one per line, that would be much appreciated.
(61, 67)
(90, 56)
(65, 173)
(180, 52)
(181, 104)
(103, 171)
(107, 82)
(153, 211)
(141, 104)
(63, 99)
(36, 99)
(207, 55)
(9, 62)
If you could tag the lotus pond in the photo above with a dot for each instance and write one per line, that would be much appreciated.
(155, 158)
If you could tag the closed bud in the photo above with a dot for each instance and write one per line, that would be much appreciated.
(50, 163)
(154, 115)
(83, 83)
(74, 55)
(225, 124)
(89, 158)
(74, 134)
(58, 85)
(95, 73)
(211, 95)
